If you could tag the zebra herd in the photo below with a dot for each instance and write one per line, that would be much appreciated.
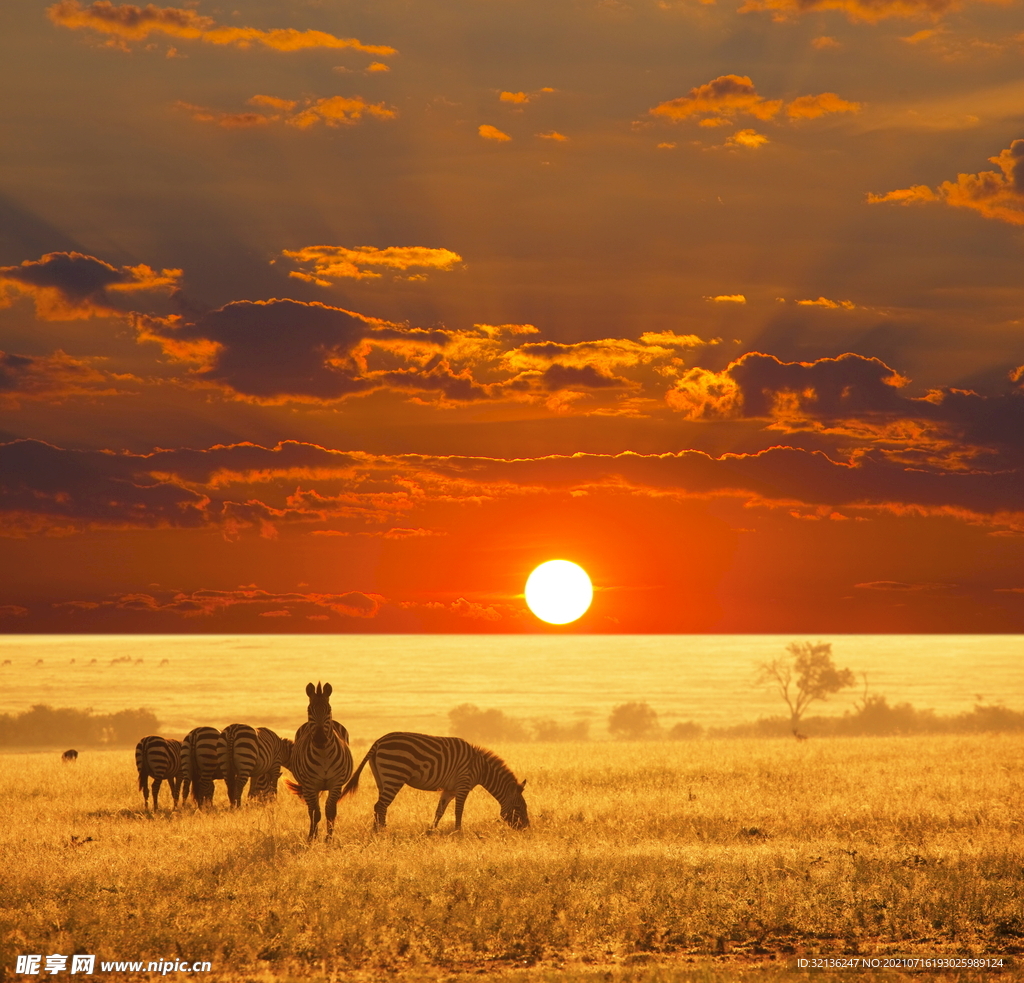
(320, 761)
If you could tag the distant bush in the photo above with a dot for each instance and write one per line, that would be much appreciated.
(42, 725)
(552, 730)
(875, 717)
(471, 723)
(634, 721)
(686, 731)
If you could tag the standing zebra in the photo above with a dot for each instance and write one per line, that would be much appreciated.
(272, 753)
(448, 764)
(321, 760)
(199, 764)
(158, 758)
(237, 751)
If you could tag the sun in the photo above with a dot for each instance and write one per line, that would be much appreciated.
(559, 591)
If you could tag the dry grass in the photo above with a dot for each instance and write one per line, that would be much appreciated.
(706, 860)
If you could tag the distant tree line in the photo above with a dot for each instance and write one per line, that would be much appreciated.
(43, 725)
(471, 723)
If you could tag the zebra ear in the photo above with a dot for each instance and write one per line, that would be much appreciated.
(328, 689)
(309, 690)
(522, 785)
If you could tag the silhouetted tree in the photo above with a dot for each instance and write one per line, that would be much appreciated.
(634, 721)
(471, 723)
(807, 675)
(687, 731)
(552, 730)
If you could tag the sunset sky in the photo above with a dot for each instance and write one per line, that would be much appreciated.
(342, 315)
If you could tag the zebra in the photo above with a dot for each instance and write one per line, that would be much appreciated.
(69, 757)
(272, 753)
(158, 758)
(236, 758)
(199, 764)
(321, 760)
(447, 764)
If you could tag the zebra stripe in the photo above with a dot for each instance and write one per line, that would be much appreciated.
(158, 758)
(272, 753)
(446, 764)
(199, 764)
(321, 760)
(236, 757)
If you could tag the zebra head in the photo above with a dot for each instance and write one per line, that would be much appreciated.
(513, 809)
(320, 711)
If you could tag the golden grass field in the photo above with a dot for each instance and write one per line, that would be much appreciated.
(706, 860)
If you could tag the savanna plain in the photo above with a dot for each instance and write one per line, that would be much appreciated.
(652, 861)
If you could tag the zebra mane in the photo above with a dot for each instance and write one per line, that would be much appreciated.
(496, 760)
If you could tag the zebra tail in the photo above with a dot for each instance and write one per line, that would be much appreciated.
(143, 776)
(294, 787)
(353, 783)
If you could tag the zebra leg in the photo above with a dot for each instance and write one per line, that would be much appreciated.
(145, 792)
(175, 784)
(460, 802)
(331, 810)
(380, 810)
(442, 805)
(156, 792)
(313, 805)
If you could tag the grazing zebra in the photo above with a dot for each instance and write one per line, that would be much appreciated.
(272, 753)
(237, 750)
(320, 760)
(68, 756)
(798, 735)
(199, 764)
(446, 764)
(158, 758)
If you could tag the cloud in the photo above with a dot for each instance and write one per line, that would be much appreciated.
(489, 132)
(235, 488)
(747, 138)
(728, 299)
(726, 96)
(515, 97)
(811, 107)
(847, 305)
(278, 351)
(863, 11)
(824, 42)
(262, 603)
(331, 110)
(131, 23)
(73, 286)
(860, 399)
(900, 586)
(327, 263)
(994, 195)
(553, 135)
(558, 376)
(52, 378)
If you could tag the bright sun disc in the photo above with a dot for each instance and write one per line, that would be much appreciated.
(559, 591)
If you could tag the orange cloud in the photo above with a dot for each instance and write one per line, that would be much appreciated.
(73, 286)
(51, 378)
(747, 138)
(823, 42)
(132, 23)
(865, 11)
(727, 95)
(489, 132)
(327, 263)
(553, 135)
(811, 107)
(728, 299)
(516, 97)
(848, 305)
(332, 110)
(994, 195)
(337, 111)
